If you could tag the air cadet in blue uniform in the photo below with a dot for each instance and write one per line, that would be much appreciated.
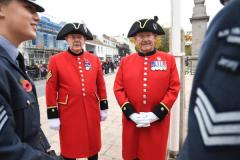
(214, 113)
(20, 135)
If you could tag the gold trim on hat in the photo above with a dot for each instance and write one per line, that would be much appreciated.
(75, 26)
(140, 24)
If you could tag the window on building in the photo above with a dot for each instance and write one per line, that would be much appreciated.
(45, 39)
(54, 42)
(34, 42)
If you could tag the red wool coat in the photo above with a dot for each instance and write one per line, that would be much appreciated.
(76, 84)
(141, 83)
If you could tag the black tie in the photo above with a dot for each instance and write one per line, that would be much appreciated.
(21, 62)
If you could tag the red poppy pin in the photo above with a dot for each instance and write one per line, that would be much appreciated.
(26, 84)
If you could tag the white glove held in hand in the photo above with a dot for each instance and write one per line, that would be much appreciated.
(139, 120)
(150, 116)
(54, 123)
(103, 114)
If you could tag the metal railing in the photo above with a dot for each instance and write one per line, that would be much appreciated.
(190, 64)
(36, 74)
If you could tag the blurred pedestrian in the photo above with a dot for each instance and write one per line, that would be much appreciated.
(106, 67)
(111, 64)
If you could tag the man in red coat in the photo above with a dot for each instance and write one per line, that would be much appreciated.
(146, 86)
(76, 95)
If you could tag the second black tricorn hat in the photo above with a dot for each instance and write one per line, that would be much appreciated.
(146, 25)
(74, 28)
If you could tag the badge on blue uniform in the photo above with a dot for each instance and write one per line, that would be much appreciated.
(158, 65)
(87, 65)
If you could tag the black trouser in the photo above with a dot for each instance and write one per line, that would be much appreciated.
(95, 157)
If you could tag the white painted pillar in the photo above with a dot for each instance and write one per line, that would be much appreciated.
(173, 145)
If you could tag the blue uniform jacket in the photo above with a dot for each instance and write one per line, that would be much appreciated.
(214, 113)
(20, 135)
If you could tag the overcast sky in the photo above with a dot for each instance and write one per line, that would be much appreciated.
(114, 17)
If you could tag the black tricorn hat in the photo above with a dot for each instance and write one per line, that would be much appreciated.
(38, 7)
(74, 28)
(146, 25)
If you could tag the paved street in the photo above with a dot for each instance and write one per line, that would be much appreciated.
(40, 86)
(111, 128)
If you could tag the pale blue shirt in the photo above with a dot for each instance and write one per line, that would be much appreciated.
(11, 50)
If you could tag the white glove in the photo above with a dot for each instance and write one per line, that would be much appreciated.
(140, 120)
(150, 116)
(142, 125)
(103, 114)
(54, 124)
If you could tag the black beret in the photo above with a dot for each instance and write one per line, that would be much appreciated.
(146, 25)
(74, 28)
(38, 7)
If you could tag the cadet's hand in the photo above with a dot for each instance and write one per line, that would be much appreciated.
(54, 123)
(103, 114)
(139, 120)
(150, 116)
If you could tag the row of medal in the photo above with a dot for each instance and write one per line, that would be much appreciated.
(155, 65)
(158, 65)
(87, 65)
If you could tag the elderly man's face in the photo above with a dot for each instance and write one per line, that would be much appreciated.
(75, 42)
(145, 41)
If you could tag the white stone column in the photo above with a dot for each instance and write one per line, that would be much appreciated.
(199, 25)
(174, 133)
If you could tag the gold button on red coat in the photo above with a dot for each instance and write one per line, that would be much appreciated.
(144, 102)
